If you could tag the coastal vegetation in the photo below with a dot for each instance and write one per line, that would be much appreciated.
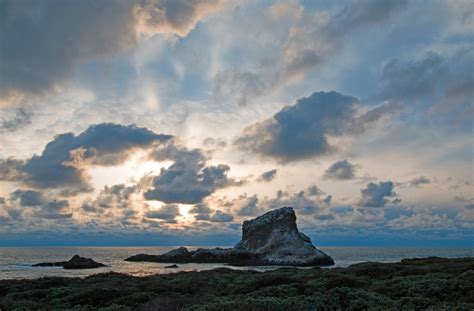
(412, 284)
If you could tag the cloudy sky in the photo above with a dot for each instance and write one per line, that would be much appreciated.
(166, 122)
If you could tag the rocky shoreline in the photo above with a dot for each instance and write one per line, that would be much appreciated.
(270, 239)
(412, 284)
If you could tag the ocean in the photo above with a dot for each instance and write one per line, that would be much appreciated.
(16, 262)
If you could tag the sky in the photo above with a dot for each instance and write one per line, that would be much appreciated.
(159, 122)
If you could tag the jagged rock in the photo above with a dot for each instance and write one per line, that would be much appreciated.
(270, 239)
(274, 236)
(76, 262)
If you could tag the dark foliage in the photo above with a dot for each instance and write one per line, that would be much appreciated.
(413, 284)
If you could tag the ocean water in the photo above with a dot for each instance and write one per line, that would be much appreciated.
(16, 262)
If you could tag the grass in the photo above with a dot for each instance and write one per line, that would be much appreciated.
(423, 284)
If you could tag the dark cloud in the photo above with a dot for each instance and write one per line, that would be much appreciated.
(167, 212)
(28, 197)
(40, 205)
(301, 131)
(201, 211)
(40, 50)
(62, 162)
(14, 119)
(375, 195)
(204, 212)
(341, 170)
(43, 42)
(188, 180)
(56, 209)
(267, 176)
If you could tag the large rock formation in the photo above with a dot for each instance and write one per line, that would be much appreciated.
(271, 239)
(76, 262)
(274, 236)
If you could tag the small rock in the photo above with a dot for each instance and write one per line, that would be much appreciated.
(172, 267)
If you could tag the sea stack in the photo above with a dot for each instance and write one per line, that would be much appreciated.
(270, 239)
(274, 236)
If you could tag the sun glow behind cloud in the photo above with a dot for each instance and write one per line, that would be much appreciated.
(131, 171)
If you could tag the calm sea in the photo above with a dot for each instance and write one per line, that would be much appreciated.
(16, 262)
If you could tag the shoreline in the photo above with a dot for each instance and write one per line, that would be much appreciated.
(15, 263)
(411, 284)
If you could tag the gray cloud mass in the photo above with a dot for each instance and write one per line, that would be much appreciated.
(375, 195)
(341, 170)
(267, 176)
(28, 197)
(205, 213)
(62, 161)
(188, 180)
(301, 131)
(167, 212)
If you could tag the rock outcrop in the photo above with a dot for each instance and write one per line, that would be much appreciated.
(270, 239)
(172, 266)
(76, 262)
(274, 236)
